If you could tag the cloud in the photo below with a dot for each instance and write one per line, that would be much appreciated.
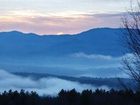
(92, 56)
(76, 64)
(96, 56)
(63, 5)
(43, 86)
(101, 57)
(29, 16)
(45, 24)
(101, 65)
(103, 61)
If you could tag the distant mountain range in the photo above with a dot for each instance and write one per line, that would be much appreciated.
(104, 41)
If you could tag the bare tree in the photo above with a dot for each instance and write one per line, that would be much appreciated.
(132, 38)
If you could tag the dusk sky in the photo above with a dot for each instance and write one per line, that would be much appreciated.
(60, 16)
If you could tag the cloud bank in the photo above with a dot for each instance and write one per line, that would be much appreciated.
(43, 86)
(41, 24)
(102, 65)
(58, 17)
(95, 56)
(77, 64)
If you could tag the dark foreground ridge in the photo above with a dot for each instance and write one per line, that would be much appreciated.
(72, 97)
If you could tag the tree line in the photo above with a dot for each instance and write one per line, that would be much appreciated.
(72, 97)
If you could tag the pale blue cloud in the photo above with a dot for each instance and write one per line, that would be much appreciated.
(55, 6)
(60, 16)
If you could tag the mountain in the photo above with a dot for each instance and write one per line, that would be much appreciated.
(104, 41)
(93, 53)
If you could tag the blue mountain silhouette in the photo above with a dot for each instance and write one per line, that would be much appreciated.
(105, 41)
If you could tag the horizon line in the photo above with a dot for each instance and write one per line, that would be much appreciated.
(64, 34)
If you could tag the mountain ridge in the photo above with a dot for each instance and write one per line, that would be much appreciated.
(95, 41)
(31, 33)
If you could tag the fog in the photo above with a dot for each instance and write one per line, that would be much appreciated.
(77, 64)
(44, 86)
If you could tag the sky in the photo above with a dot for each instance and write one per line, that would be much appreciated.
(60, 16)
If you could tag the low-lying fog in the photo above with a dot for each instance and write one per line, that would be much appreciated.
(77, 64)
(43, 86)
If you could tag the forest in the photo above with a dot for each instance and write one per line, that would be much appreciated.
(72, 97)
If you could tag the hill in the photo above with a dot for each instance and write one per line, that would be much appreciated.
(104, 41)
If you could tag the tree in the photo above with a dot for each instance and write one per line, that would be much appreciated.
(132, 38)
